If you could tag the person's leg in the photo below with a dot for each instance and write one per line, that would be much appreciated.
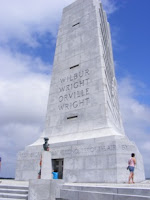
(133, 177)
(130, 177)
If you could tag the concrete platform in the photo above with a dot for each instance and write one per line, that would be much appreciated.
(85, 191)
(88, 191)
(144, 184)
(12, 182)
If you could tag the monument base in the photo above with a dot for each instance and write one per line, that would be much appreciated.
(45, 189)
(58, 190)
(100, 160)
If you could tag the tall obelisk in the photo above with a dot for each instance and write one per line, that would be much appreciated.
(83, 121)
(83, 100)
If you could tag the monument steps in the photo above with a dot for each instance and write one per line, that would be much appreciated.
(13, 192)
(9, 199)
(104, 192)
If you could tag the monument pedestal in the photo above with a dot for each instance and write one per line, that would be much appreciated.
(46, 169)
(44, 189)
(100, 160)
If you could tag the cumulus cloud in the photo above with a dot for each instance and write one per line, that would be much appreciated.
(14, 136)
(14, 65)
(109, 6)
(22, 88)
(22, 78)
(24, 20)
(136, 117)
(23, 99)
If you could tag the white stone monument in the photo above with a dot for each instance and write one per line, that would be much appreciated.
(83, 122)
(46, 168)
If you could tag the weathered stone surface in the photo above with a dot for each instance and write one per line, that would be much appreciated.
(82, 83)
(104, 192)
(46, 169)
(44, 189)
(104, 160)
(28, 165)
(39, 190)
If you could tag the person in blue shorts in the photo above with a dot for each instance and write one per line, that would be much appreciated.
(131, 164)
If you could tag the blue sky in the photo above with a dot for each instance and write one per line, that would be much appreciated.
(132, 50)
(28, 31)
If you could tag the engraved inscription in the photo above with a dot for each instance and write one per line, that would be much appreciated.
(87, 150)
(74, 90)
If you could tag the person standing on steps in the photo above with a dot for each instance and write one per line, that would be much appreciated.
(131, 164)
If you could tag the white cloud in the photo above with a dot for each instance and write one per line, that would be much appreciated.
(136, 117)
(23, 87)
(23, 99)
(14, 136)
(14, 65)
(23, 20)
(130, 105)
(109, 6)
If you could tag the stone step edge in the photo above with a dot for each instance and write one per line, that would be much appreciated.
(81, 188)
(111, 187)
(21, 196)
(126, 195)
(11, 199)
(5, 190)
(14, 187)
